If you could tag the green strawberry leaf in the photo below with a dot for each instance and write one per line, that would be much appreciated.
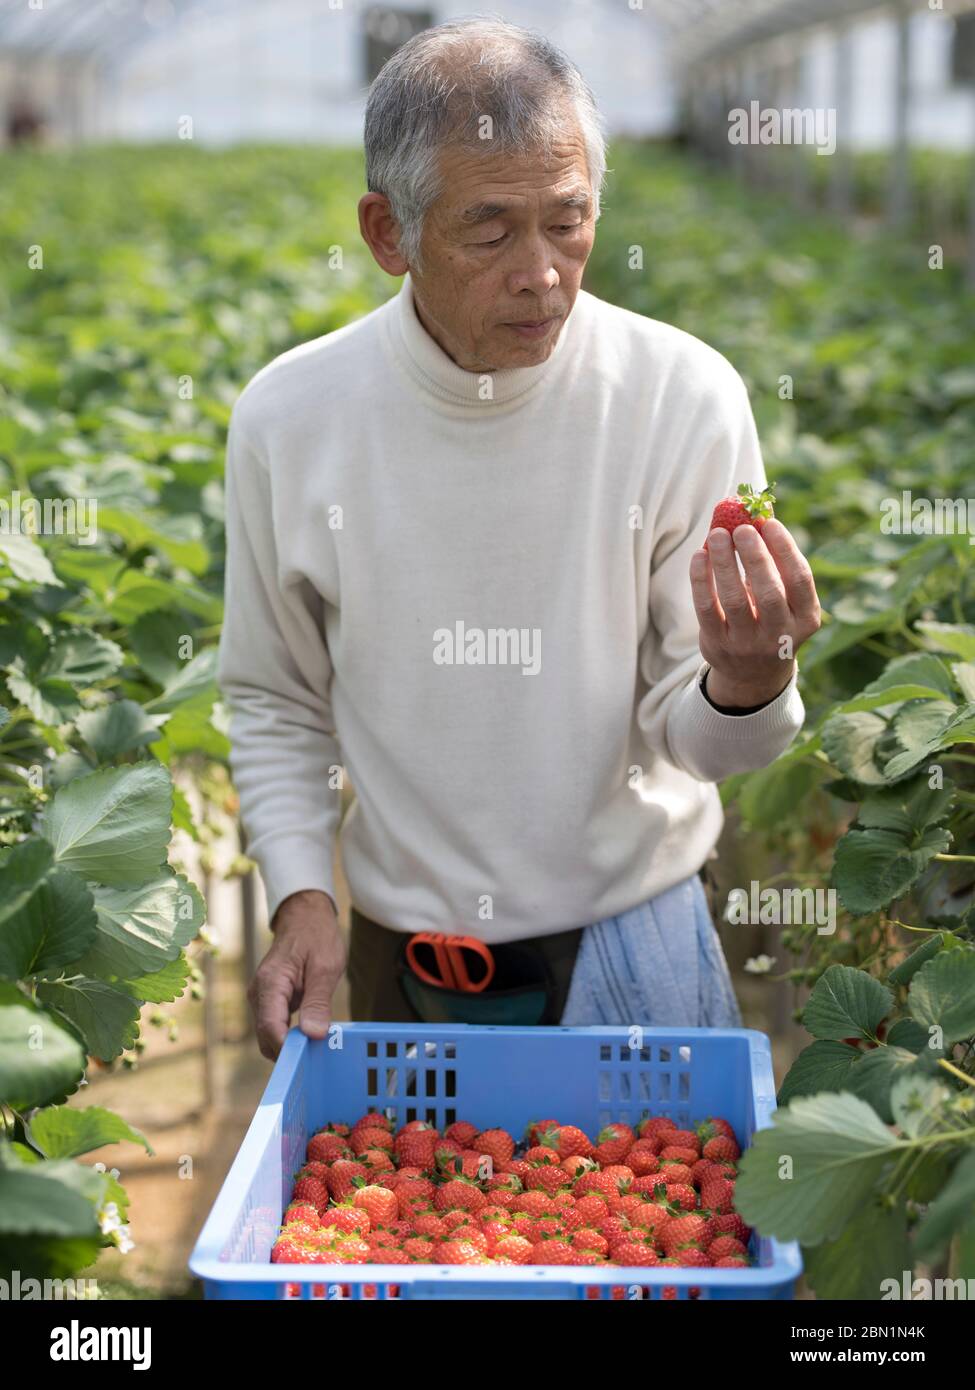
(850, 742)
(106, 1018)
(61, 1131)
(949, 1210)
(823, 1066)
(112, 826)
(942, 995)
(872, 1248)
(119, 727)
(846, 1003)
(39, 1060)
(875, 1075)
(903, 973)
(54, 927)
(807, 1176)
(141, 929)
(873, 867)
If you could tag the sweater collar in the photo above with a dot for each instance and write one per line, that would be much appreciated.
(437, 373)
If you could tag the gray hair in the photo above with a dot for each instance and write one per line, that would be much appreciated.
(437, 90)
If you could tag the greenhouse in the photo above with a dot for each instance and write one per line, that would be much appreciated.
(487, 721)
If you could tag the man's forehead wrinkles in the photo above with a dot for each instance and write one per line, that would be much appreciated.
(486, 210)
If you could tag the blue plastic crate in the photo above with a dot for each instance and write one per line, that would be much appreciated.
(493, 1077)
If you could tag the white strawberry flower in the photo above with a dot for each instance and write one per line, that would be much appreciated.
(759, 965)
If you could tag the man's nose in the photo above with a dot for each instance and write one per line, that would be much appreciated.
(535, 272)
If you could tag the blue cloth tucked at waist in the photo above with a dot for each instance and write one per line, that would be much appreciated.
(659, 965)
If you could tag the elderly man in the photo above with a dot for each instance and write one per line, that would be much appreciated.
(469, 563)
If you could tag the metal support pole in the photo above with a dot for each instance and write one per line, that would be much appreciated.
(840, 198)
(211, 1023)
(898, 197)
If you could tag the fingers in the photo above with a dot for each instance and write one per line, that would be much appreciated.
(727, 581)
(316, 1004)
(710, 618)
(797, 577)
(764, 583)
(270, 1000)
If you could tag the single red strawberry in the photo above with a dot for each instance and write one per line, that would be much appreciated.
(430, 1224)
(567, 1141)
(462, 1133)
(654, 1125)
(678, 1153)
(370, 1138)
(690, 1257)
(497, 1144)
(689, 1229)
(726, 1245)
(342, 1175)
(353, 1250)
(419, 1248)
(534, 1132)
(731, 1224)
(381, 1204)
(746, 508)
(551, 1252)
(540, 1155)
(373, 1119)
(460, 1252)
(504, 1182)
(717, 1194)
(301, 1211)
(612, 1144)
(642, 1159)
(310, 1189)
(685, 1139)
(731, 1262)
(592, 1208)
(377, 1161)
(673, 1172)
(630, 1253)
(712, 1127)
(416, 1149)
(287, 1251)
(680, 1195)
(459, 1195)
(514, 1248)
(588, 1239)
(722, 1150)
(548, 1179)
(326, 1147)
(346, 1219)
(415, 1125)
(534, 1203)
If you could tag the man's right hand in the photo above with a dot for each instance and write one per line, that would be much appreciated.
(301, 970)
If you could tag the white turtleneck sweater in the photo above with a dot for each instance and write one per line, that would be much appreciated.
(471, 592)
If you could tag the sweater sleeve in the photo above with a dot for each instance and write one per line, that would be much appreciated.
(675, 719)
(274, 671)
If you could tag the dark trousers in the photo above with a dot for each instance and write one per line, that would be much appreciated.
(374, 955)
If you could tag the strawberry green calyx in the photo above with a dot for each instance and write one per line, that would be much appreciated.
(757, 503)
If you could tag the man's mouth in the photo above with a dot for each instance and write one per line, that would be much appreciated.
(532, 328)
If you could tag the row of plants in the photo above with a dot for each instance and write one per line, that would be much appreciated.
(858, 359)
(153, 309)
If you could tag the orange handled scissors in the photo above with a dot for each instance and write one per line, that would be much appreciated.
(449, 961)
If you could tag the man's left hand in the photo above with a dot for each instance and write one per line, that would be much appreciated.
(751, 629)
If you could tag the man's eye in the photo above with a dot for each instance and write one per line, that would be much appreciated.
(495, 242)
(569, 227)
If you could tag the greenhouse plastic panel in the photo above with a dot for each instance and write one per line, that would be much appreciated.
(493, 1077)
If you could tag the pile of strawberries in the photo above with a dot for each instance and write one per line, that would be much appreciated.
(657, 1196)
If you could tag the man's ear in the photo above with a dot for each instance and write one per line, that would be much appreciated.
(380, 232)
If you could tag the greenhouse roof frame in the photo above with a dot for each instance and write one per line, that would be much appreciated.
(707, 30)
(700, 30)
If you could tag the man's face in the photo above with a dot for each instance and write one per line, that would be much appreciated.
(503, 251)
